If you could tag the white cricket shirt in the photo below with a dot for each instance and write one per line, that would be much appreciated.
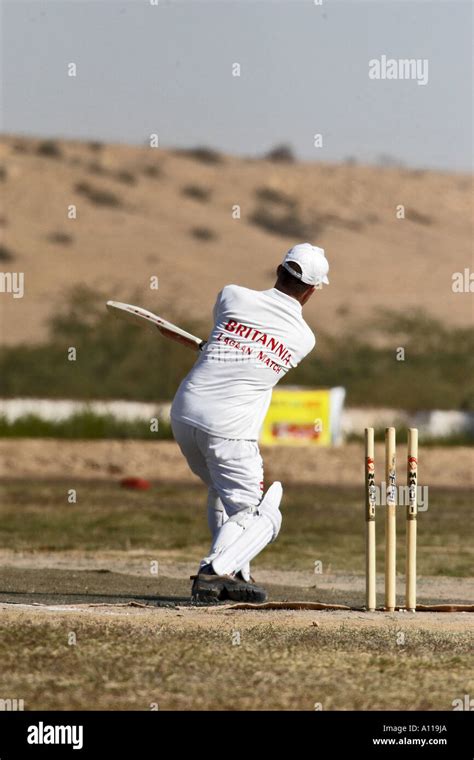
(257, 337)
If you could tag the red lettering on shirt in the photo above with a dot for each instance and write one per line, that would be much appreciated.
(272, 344)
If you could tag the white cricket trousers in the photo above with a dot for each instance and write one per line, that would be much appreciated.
(231, 469)
(241, 522)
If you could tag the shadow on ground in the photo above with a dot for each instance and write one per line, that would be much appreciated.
(51, 586)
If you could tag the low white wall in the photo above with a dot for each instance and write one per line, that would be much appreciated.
(437, 423)
(49, 409)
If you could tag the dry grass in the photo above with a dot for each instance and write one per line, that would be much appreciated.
(130, 664)
(320, 523)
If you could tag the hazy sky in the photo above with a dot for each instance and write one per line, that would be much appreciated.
(304, 70)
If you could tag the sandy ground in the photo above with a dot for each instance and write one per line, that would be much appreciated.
(162, 460)
(376, 259)
(225, 618)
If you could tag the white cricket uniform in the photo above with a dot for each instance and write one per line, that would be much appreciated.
(220, 406)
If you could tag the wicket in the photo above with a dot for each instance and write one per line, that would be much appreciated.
(390, 520)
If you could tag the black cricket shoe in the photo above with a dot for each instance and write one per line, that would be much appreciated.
(209, 588)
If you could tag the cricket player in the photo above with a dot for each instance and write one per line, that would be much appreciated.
(220, 406)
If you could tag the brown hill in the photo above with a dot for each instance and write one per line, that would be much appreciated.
(144, 212)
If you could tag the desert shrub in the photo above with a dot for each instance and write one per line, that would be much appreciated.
(270, 195)
(202, 154)
(6, 254)
(281, 154)
(152, 171)
(203, 233)
(97, 195)
(21, 146)
(96, 168)
(416, 216)
(126, 177)
(49, 148)
(197, 192)
(278, 213)
(285, 222)
(61, 238)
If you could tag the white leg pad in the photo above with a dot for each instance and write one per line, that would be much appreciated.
(245, 534)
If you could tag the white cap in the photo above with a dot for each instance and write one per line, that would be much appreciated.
(314, 264)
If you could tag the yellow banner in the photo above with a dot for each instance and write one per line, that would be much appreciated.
(298, 417)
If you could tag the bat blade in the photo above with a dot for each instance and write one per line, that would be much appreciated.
(140, 316)
(130, 313)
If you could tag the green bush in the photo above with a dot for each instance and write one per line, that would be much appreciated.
(115, 359)
(436, 373)
(118, 360)
(84, 425)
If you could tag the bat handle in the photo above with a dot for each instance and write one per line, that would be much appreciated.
(202, 344)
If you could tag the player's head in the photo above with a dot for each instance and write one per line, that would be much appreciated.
(303, 269)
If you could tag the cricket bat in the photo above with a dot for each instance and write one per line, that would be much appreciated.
(142, 317)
